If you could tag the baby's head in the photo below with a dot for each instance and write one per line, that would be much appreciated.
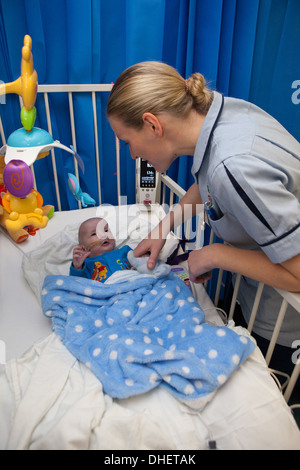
(95, 235)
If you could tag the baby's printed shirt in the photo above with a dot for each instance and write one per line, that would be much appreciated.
(100, 268)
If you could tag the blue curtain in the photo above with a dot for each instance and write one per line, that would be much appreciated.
(245, 48)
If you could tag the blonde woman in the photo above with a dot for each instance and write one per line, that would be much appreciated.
(246, 168)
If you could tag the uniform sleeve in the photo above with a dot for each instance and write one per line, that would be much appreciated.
(258, 197)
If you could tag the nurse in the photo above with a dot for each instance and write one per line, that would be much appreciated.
(246, 168)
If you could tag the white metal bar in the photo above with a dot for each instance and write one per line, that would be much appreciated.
(96, 145)
(72, 122)
(34, 179)
(2, 133)
(118, 169)
(255, 306)
(211, 240)
(59, 88)
(158, 192)
(234, 296)
(171, 198)
(211, 237)
(52, 150)
(276, 330)
(293, 298)
(163, 200)
(218, 288)
(292, 381)
(173, 186)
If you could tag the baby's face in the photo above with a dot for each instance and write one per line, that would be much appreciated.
(96, 237)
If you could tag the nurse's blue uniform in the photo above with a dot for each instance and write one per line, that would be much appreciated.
(247, 167)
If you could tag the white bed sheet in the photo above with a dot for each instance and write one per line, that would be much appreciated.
(51, 401)
(68, 409)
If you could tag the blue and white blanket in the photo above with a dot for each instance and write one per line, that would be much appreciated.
(139, 331)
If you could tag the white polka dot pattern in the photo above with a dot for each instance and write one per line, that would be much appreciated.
(141, 333)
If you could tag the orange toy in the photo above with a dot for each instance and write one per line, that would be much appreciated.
(19, 226)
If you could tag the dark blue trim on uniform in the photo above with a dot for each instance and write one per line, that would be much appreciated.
(247, 200)
(216, 121)
(282, 236)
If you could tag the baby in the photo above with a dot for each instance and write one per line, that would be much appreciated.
(96, 256)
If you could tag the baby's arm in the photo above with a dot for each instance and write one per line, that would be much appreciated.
(79, 256)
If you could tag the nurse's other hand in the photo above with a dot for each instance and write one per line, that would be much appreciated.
(200, 266)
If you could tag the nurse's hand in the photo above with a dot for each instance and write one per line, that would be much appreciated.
(199, 265)
(150, 246)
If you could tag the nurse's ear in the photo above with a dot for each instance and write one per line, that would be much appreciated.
(153, 124)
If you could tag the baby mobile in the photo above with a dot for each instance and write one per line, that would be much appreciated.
(21, 206)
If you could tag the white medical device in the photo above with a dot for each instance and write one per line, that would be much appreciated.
(146, 182)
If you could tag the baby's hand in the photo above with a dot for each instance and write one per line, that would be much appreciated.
(79, 256)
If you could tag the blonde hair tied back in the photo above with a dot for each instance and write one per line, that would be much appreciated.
(157, 88)
(201, 94)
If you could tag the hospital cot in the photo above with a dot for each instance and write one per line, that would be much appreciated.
(50, 400)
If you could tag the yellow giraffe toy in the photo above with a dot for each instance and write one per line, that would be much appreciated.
(26, 85)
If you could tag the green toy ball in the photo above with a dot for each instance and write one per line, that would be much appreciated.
(28, 117)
